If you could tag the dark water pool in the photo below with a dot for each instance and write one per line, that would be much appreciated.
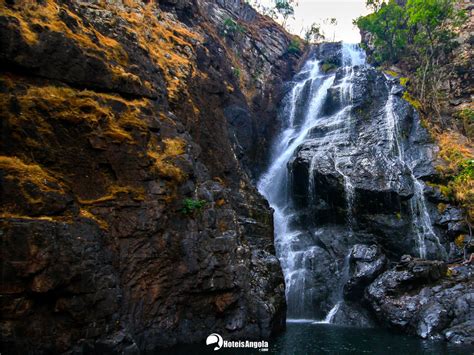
(307, 338)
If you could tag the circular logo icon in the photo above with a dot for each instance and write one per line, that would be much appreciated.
(215, 339)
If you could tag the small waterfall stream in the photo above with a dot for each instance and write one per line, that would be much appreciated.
(421, 221)
(274, 184)
(302, 113)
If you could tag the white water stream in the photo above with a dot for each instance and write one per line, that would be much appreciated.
(302, 113)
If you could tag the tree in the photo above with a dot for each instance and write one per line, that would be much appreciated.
(433, 23)
(285, 9)
(374, 5)
(314, 33)
(333, 23)
(389, 29)
(421, 34)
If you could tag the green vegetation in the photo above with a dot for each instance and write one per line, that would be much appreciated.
(279, 10)
(414, 102)
(257, 75)
(420, 34)
(294, 47)
(420, 37)
(404, 81)
(314, 34)
(230, 28)
(459, 187)
(190, 205)
(457, 171)
(285, 9)
(466, 117)
(236, 72)
(326, 67)
(389, 30)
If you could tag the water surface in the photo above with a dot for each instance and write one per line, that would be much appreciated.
(308, 338)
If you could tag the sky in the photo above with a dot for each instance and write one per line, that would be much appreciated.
(309, 11)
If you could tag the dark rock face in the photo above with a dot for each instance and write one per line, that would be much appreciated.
(127, 220)
(262, 62)
(366, 263)
(416, 296)
(353, 315)
(354, 200)
(356, 149)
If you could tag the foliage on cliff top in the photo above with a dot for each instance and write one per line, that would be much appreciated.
(421, 34)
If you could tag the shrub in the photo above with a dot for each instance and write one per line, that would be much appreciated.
(466, 117)
(328, 67)
(191, 205)
(294, 47)
(231, 28)
(236, 72)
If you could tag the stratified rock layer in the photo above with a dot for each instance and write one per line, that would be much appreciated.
(128, 220)
(416, 296)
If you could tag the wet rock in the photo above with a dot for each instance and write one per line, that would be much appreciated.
(461, 333)
(329, 53)
(365, 264)
(416, 296)
(359, 173)
(353, 315)
(128, 221)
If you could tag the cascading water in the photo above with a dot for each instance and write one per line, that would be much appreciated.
(274, 186)
(294, 256)
(332, 137)
(421, 221)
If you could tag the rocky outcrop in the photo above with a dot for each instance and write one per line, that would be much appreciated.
(361, 162)
(128, 218)
(353, 199)
(418, 297)
(365, 264)
(260, 63)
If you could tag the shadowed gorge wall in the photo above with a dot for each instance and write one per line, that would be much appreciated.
(129, 132)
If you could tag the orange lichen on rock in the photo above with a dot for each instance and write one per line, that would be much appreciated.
(47, 15)
(44, 104)
(28, 187)
(85, 213)
(167, 41)
(173, 147)
(13, 167)
(114, 192)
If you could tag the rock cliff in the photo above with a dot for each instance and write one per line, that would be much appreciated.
(424, 297)
(352, 199)
(130, 131)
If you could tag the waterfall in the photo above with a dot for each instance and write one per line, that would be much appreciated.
(331, 134)
(421, 221)
(294, 257)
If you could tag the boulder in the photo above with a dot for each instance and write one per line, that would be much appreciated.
(366, 263)
(418, 296)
